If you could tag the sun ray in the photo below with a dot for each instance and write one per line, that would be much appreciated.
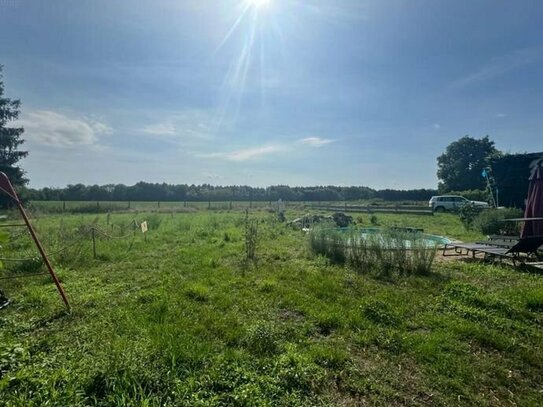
(252, 23)
(244, 11)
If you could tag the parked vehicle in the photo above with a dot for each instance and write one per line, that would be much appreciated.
(445, 203)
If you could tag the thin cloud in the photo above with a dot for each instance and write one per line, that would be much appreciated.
(57, 129)
(316, 141)
(191, 124)
(160, 129)
(437, 126)
(247, 154)
(502, 65)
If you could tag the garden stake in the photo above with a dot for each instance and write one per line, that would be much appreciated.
(93, 243)
(5, 185)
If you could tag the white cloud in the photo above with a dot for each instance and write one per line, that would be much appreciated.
(160, 129)
(247, 154)
(190, 124)
(266, 150)
(501, 115)
(57, 129)
(316, 141)
(437, 126)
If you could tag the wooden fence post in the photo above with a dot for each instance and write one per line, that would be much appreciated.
(93, 243)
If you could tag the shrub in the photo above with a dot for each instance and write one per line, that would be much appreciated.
(467, 214)
(490, 222)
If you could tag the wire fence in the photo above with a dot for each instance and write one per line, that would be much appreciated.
(157, 206)
(72, 242)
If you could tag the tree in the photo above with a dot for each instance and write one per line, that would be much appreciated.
(461, 165)
(10, 140)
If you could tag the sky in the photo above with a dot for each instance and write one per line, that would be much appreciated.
(256, 92)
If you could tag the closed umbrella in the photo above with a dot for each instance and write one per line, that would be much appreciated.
(534, 204)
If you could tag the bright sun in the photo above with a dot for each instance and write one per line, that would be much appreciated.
(259, 3)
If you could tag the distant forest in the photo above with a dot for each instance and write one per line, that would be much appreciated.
(143, 191)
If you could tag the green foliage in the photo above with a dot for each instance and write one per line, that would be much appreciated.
(385, 254)
(472, 194)
(197, 292)
(262, 339)
(467, 214)
(172, 323)
(461, 165)
(251, 239)
(380, 313)
(10, 141)
(534, 301)
(490, 222)
(328, 242)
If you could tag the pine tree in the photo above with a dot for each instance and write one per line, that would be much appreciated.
(10, 140)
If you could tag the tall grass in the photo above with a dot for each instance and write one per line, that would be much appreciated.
(328, 242)
(385, 254)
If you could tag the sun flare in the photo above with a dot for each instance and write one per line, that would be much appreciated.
(259, 3)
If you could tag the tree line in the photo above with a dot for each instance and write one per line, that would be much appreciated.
(471, 165)
(145, 191)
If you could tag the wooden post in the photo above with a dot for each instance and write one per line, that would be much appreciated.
(209, 205)
(93, 243)
(158, 204)
(98, 204)
(64, 205)
(230, 206)
(128, 204)
(184, 204)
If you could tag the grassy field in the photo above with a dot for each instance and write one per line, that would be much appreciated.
(180, 319)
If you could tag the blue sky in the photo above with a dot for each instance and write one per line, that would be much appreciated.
(346, 92)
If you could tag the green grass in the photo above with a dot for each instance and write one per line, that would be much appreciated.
(179, 320)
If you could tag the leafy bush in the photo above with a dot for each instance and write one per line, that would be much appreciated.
(490, 222)
(467, 214)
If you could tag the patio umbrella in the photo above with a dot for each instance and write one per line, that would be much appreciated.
(534, 204)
